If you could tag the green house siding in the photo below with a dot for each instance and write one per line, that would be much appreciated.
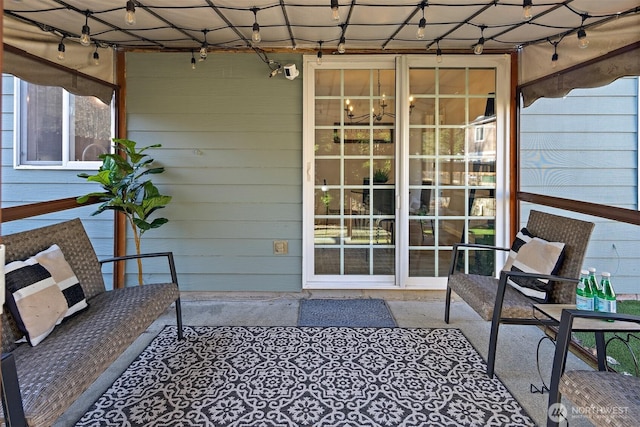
(232, 147)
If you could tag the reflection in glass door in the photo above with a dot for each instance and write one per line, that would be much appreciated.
(355, 174)
(452, 167)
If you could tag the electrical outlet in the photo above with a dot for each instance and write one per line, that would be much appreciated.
(280, 247)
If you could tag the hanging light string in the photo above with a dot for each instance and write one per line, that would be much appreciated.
(130, 14)
(319, 54)
(554, 57)
(204, 49)
(587, 20)
(255, 33)
(479, 47)
(85, 38)
(96, 56)
(61, 49)
(422, 25)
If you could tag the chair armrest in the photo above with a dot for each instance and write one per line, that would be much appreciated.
(458, 246)
(552, 277)
(169, 255)
(478, 245)
(563, 340)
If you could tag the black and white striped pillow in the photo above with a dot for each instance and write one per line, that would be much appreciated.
(522, 237)
(53, 260)
(34, 299)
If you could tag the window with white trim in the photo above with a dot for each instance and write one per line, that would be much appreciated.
(55, 129)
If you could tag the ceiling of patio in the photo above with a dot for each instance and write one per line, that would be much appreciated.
(367, 25)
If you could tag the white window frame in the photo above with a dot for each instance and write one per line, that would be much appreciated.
(66, 163)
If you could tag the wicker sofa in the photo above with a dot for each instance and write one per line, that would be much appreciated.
(52, 374)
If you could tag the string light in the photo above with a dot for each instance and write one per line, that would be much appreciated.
(204, 50)
(85, 38)
(423, 23)
(255, 35)
(319, 55)
(96, 56)
(61, 49)
(583, 41)
(341, 45)
(130, 14)
(479, 47)
(193, 61)
(526, 10)
(554, 57)
(438, 52)
(335, 13)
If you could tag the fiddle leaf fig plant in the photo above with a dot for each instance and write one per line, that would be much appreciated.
(128, 189)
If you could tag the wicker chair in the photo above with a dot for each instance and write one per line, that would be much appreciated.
(613, 399)
(493, 300)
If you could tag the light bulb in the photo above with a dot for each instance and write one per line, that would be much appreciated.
(421, 27)
(583, 41)
(319, 58)
(341, 45)
(204, 51)
(130, 14)
(61, 50)
(255, 36)
(335, 12)
(526, 10)
(438, 55)
(479, 46)
(554, 60)
(85, 38)
(96, 58)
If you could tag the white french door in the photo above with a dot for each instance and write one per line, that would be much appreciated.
(401, 162)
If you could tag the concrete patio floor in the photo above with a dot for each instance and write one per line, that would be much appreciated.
(515, 363)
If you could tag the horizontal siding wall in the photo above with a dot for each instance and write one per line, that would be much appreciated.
(25, 186)
(585, 147)
(232, 148)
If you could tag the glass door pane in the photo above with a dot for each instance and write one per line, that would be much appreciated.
(452, 158)
(355, 173)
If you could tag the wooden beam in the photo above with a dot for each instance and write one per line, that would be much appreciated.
(602, 211)
(120, 221)
(34, 209)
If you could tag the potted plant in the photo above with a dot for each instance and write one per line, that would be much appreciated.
(128, 189)
(380, 176)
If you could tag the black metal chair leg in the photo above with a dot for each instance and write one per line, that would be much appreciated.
(495, 323)
(447, 305)
(10, 391)
(179, 319)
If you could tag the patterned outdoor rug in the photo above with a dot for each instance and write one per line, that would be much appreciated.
(290, 376)
(365, 313)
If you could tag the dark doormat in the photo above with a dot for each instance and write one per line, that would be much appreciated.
(364, 313)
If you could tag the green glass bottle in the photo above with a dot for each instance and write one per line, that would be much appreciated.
(608, 295)
(595, 289)
(584, 299)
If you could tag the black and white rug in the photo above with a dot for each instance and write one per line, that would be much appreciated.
(291, 376)
(364, 313)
